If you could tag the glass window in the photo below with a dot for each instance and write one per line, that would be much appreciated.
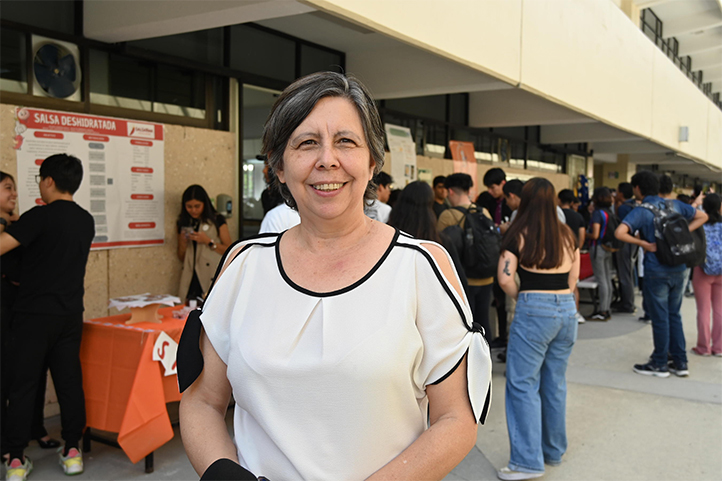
(205, 46)
(119, 81)
(257, 103)
(259, 52)
(180, 92)
(54, 15)
(435, 140)
(13, 64)
(317, 60)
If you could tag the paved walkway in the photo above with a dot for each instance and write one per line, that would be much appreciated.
(621, 426)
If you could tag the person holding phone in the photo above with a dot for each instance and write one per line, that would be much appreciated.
(203, 238)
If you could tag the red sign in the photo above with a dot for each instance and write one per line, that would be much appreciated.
(144, 143)
(48, 135)
(142, 170)
(141, 196)
(142, 225)
(37, 119)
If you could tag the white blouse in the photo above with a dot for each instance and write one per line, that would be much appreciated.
(332, 385)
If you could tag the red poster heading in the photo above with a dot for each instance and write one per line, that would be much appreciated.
(38, 119)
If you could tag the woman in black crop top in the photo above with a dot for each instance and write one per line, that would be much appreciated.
(543, 251)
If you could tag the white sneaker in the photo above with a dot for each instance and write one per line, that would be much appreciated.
(508, 474)
(17, 471)
(73, 462)
(580, 318)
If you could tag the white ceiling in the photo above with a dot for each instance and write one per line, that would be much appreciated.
(697, 26)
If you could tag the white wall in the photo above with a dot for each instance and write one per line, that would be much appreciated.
(481, 34)
(585, 55)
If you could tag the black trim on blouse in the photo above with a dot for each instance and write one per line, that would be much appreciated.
(189, 356)
(337, 292)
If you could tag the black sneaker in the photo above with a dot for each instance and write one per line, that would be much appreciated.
(622, 310)
(650, 369)
(678, 368)
(645, 318)
(599, 316)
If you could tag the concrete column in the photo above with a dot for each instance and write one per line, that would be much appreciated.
(631, 10)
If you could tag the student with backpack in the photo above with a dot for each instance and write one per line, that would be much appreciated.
(603, 246)
(660, 224)
(478, 243)
(707, 281)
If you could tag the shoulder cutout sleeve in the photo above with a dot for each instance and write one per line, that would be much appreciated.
(215, 319)
(446, 326)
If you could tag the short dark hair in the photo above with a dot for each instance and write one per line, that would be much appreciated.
(65, 170)
(626, 189)
(295, 104)
(647, 182)
(439, 179)
(459, 181)
(684, 198)
(494, 176)
(566, 196)
(514, 186)
(602, 197)
(382, 178)
(665, 184)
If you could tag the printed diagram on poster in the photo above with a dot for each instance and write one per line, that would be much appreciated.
(123, 171)
(403, 155)
(464, 158)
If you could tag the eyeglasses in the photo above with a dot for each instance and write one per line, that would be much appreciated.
(38, 178)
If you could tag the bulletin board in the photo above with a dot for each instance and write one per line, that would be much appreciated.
(123, 171)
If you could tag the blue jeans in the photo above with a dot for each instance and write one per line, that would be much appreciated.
(540, 342)
(663, 293)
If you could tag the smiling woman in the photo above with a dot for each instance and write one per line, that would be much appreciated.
(328, 385)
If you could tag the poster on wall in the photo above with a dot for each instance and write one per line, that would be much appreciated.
(123, 171)
(464, 159)
(403, 155)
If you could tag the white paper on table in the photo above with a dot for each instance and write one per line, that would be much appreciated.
(142, 300)
(165, 350)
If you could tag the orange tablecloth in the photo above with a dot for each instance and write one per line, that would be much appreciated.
(125, 390)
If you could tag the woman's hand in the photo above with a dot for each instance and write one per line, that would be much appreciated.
(200, 237)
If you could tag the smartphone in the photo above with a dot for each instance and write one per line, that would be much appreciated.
(187, 231)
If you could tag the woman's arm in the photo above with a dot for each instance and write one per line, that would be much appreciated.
(453, 428)
(449, 439)
(225, 236)
(203, 411)
(582, 236)
(594, 233)
(574, 273)
(506, 271)
(182, 246)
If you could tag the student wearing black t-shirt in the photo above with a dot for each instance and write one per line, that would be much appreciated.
(48, 312)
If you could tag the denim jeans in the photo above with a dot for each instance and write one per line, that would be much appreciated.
(663, 293)
(540, 342)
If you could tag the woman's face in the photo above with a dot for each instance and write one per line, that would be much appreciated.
(8, 195)
(327, 163)
(194, 208)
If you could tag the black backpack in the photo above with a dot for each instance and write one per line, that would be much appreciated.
(608, 241)
(675, 243)
(481, 245)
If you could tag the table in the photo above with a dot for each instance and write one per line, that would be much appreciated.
(125, 390)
